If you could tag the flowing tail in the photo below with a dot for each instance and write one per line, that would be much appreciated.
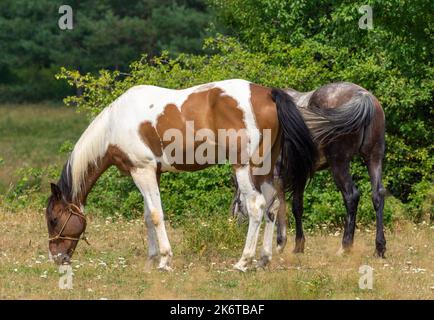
(298, 151)
(327, 124)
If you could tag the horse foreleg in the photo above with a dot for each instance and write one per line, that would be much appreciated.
(146, 181)
(152, 238)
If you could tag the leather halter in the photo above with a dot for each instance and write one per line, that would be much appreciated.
(73, 210)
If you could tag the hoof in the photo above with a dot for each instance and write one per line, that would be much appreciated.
(165, 268)
(380, 249)
(281, 243)
(240, 266)
(380, 254)
(150, 263)
(299, 246)
(263, 262)
(342, 252)
(243, 264)
(298, 249)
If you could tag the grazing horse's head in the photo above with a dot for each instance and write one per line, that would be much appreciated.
(65, 223)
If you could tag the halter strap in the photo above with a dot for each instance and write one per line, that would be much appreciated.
(73, 210)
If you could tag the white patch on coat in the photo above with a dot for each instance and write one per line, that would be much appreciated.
(118, 124)
(239, 90)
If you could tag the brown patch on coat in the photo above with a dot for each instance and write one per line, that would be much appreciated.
(92, 175)
(265, 113)
(118, 158)
(150, 137)
(227, 116)
(113, 156)
(208, 109)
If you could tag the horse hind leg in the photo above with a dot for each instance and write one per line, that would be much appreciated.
(273, 206)
(341, 173)
(281, 221)
(374, 164)
(255, 204)
(237, 209)
(297, 210)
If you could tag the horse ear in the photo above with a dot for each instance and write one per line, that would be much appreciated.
(55, 191)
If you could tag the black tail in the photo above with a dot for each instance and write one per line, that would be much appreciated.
(327, 124)
(298, 153)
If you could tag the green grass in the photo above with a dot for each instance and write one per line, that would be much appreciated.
(31, 135)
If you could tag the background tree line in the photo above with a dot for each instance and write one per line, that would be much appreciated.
(301, 44)
(107, 34)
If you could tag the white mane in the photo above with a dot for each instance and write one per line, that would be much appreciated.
(90, 148)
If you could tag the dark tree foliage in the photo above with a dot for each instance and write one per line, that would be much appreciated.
(107, 34)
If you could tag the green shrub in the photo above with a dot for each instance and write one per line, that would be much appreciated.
(30, 190)
(303, 45)
(407, 164)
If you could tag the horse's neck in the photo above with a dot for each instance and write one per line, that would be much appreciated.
(92, 175)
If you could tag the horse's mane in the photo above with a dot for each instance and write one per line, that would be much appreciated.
(88, 150)
(65, 183)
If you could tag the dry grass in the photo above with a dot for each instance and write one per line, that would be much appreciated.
(113, 267)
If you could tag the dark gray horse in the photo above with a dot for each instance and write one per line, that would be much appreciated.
(344, 120)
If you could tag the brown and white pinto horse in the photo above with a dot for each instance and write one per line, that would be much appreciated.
(142, 132)
(345, 120)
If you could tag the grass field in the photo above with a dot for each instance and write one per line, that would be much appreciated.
(31, 135)
(113, 267)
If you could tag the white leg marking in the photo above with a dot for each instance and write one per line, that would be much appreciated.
(255, 204)
(146, 181)
(152, 238)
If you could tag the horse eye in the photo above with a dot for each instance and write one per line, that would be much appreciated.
(53, 221)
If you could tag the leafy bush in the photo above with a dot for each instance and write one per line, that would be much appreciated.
(28, 191)
(300, 44)
(406, 165)
(393, 60)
